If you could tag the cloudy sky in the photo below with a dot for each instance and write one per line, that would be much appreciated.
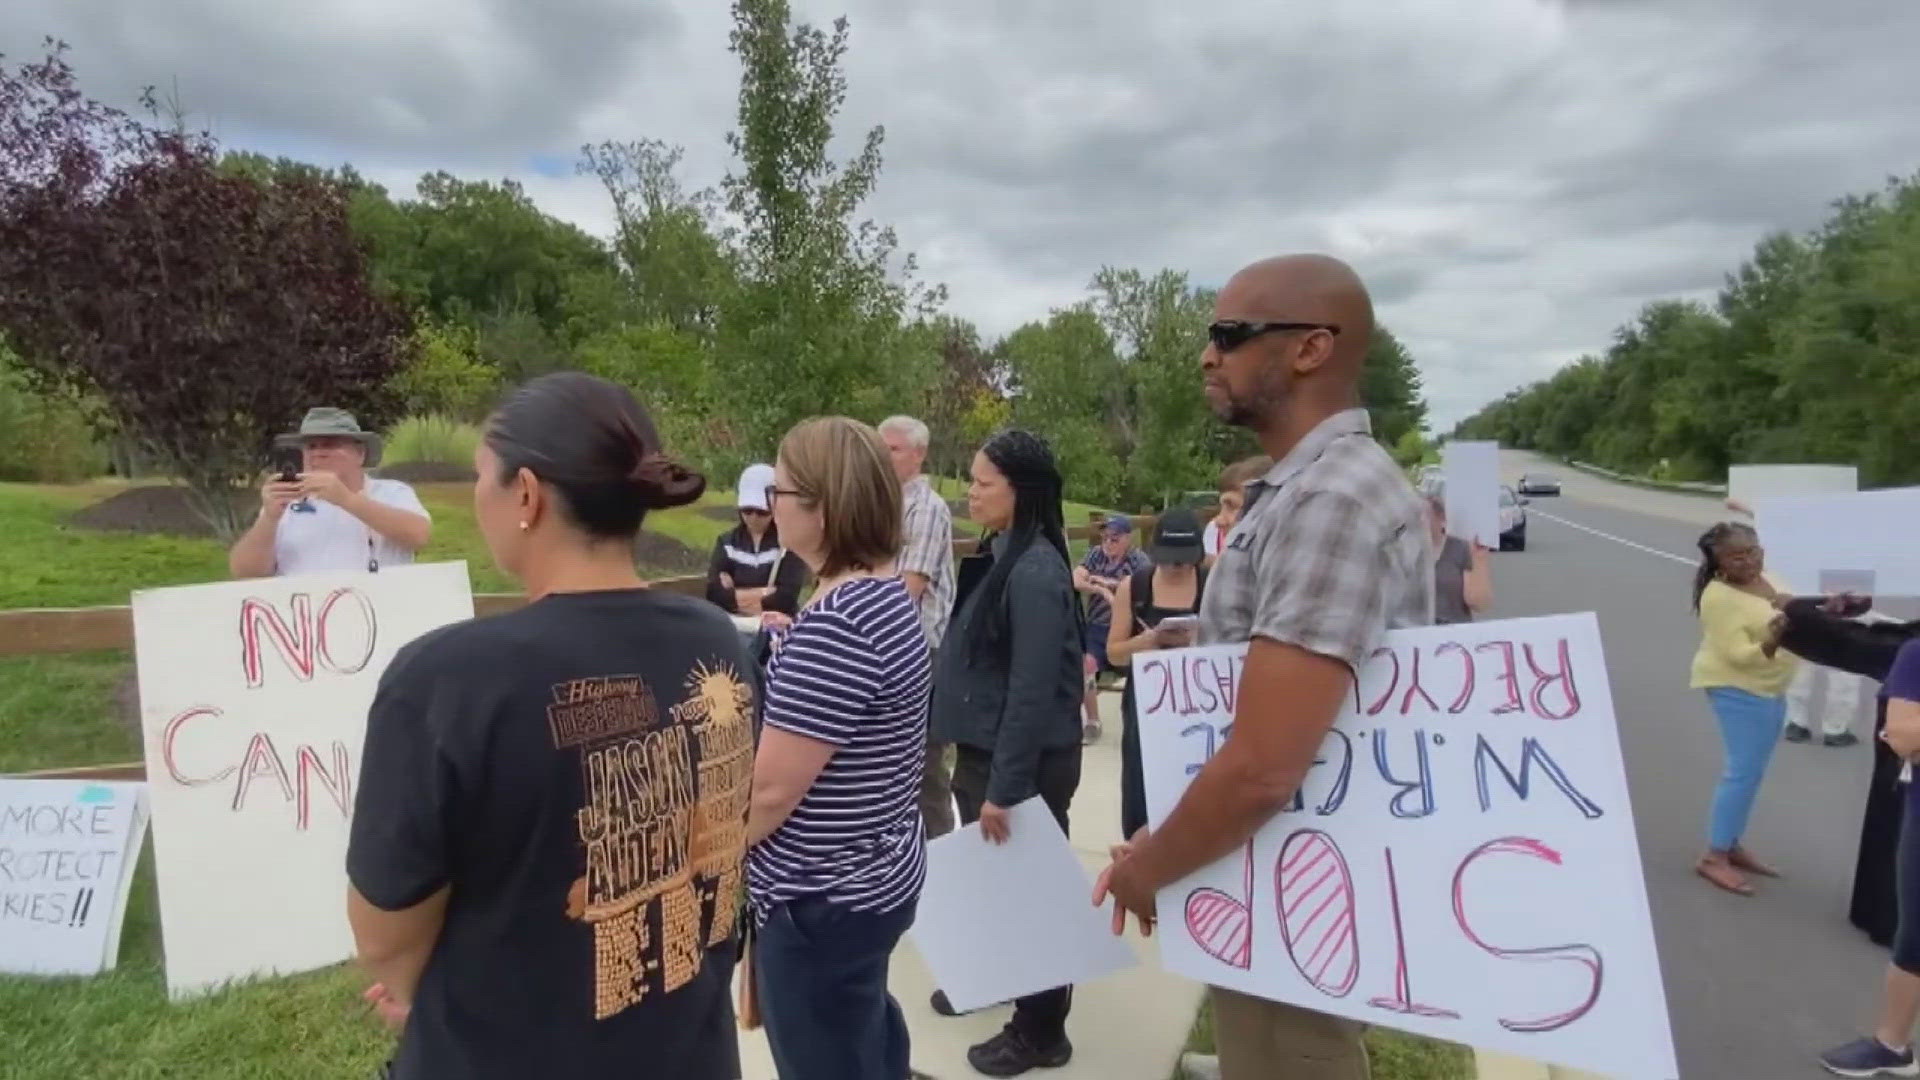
(1513, 177)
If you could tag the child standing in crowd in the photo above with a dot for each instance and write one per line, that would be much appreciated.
(1745, 673)
(1233, 496)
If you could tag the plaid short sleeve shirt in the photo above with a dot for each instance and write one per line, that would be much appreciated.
(1331, 552)
(927, 548)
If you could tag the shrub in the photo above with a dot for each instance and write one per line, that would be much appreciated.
(432, 438)
(44, 437)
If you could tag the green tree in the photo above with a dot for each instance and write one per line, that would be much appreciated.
(446, 375)
(670, 245)
(203, 310)
(1809, 354)
(1390, 388)
(816, 319)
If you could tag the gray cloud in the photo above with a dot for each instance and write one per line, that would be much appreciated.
(1515, 177)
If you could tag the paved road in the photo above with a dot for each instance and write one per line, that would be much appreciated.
(1756, 986)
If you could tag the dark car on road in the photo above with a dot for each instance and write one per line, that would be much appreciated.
(1539, 484)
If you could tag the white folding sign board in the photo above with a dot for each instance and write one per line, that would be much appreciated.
(1460, 861)
(253, 700)
(986, 943)
(1863, 539)
(1471, 472)
(67, 853)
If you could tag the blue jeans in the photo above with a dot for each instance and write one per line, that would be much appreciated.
(1750, 729)
(821, 980)
(1906, 940)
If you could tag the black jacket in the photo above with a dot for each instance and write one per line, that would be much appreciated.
(1862, 648)
(1025, 697)
(754, 566)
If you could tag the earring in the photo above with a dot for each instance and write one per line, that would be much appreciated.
(523, 526)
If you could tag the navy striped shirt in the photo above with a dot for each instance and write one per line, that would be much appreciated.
(852, 672)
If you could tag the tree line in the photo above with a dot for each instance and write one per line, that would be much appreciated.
(192, 300)
(1810, 353)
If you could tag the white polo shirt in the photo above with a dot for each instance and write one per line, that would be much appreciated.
(323, 537)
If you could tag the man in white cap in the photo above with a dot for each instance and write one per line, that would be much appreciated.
(329, 514)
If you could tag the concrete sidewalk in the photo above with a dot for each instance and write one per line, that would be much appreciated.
(1130, 1026)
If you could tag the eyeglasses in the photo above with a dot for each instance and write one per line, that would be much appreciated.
(754, 511)
(1229, 334)
(774, 492)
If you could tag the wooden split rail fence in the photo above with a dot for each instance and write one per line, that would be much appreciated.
(45, 631)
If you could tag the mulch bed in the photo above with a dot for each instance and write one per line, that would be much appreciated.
(666, 553)
(161, 508)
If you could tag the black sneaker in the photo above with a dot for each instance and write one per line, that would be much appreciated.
(1010, 1054)
(1869, 1057)
(941, 1005)
(1796, 733)
(1844, 738)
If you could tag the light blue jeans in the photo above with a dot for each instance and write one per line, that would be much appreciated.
(1750, 729)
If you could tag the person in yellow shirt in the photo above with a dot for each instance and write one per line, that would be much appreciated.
(1745, 673)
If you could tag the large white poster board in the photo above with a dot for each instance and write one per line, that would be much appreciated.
(1862, 540)
(67, 853)
(1460, 862)
(1746, 483)
(253, 697)
(987, 943)
(1471, 472)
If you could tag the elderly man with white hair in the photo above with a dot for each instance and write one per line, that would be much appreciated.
(926, 565)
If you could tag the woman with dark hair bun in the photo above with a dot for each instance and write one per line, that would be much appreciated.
(547, 841)
(1007, 693)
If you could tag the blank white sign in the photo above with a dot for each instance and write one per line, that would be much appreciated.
(1472, 477)
(1807, 537)
(997, 921)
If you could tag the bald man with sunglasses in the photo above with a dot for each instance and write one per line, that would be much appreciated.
(1330, 552)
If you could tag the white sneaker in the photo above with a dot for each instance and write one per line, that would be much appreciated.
(1199, 1067)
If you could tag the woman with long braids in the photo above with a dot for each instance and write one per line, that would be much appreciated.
(1007, 693)
(1745, 672)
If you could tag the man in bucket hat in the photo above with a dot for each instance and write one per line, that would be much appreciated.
(329, 514)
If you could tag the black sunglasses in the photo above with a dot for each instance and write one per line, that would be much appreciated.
(1229, 334)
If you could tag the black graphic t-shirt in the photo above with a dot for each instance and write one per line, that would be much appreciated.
(576, 773)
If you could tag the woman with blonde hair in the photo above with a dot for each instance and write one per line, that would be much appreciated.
(836, 854)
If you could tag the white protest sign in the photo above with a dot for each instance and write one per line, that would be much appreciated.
(1471, 478)
(1459, 863)
(1000, 920)
(253, 697)
(67, 853)
(1865, 536)
(1746, 483)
